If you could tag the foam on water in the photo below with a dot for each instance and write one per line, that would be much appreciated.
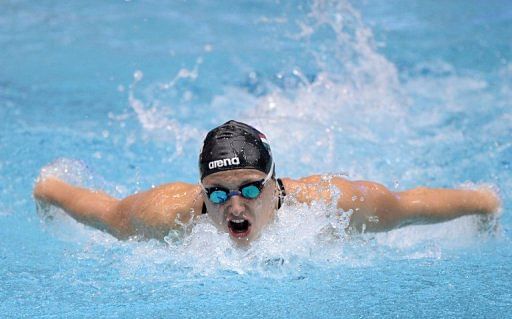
(354, 101)
(300, 237)
(355, 116)
(131, 87)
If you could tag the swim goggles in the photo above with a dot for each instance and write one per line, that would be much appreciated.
(252, 190)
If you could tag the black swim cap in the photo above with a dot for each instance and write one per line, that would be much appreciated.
(234, 145)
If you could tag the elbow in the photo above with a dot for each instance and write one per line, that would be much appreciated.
(389, 213)
(118, 221)
(380, 210)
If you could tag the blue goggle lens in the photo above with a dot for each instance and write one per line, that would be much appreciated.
(250, 191)
(219, 196)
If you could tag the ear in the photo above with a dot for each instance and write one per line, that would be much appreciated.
(277, 193)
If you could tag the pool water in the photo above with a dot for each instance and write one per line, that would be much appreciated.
(118, 96)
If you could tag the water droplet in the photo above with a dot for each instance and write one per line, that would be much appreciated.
(137, 75)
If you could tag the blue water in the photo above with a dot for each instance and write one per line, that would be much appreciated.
(121, 94)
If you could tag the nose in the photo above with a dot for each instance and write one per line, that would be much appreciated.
(236, 206)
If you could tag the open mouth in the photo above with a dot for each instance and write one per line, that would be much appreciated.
(239, 227)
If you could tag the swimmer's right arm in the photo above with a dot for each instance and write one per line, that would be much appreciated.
(90, 207)
(150, 214)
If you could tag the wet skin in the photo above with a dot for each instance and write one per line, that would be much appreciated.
(152, 213)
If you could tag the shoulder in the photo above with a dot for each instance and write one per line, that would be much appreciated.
(315, 181)
(175, 197)
(176, 190)
(164, 205)
(317, 187)
(324, 187)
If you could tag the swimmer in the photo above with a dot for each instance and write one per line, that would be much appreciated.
(240, 193)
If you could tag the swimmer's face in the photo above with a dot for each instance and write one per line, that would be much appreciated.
(242, 218)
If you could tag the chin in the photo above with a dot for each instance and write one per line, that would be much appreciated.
(244, 238)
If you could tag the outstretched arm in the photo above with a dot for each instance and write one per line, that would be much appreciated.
(375, 208)
(150, 214)
(384, 210)
(90, 207)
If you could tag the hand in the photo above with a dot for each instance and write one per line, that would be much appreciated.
(491, 202)
(45, 186)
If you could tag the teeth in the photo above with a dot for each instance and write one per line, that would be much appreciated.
(238, 221)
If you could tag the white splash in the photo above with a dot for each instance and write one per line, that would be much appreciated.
(157, 118)
(301, 235)
(353, 116)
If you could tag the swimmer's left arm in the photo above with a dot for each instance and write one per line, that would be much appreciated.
(379, 209)
(431, 205)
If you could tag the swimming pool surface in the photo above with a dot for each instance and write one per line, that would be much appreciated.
(118, 95)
